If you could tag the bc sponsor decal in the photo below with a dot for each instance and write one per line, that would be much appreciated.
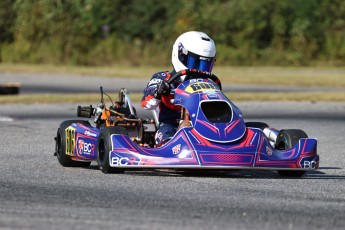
(122, 161)
(85, 148)
(200, 86)
(119, 161)
(309, 163)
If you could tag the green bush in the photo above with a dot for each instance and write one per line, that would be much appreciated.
(142, 32)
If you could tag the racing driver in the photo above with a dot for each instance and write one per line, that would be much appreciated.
(191, 50)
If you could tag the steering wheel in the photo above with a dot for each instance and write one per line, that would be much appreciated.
(193, 74)
(190, 74)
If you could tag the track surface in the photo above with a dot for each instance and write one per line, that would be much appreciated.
(38, 193)
(53, 83)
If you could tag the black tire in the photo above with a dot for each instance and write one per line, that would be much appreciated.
(256, 124)
(104, 146)
(11, 88)
(287, 139)
(60, 146)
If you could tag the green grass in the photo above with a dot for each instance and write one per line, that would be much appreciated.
(289, 76)
(284, 76)
(143, 72)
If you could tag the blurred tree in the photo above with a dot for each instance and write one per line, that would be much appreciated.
(102, 31)
(7, 17)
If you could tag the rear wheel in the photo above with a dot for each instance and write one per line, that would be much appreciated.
(10, 88)
(105, 146)
(60, 146)
(287, 139)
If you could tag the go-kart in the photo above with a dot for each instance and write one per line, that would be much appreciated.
(212, 135)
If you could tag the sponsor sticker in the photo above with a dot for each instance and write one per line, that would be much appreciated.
(90, 134)
(176, 149)
(212, 96)
(269, 151)
(200, 86)
(85, 148)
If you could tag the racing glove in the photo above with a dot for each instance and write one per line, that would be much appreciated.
(163, 88)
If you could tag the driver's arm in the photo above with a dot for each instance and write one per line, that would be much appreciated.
(150, 100)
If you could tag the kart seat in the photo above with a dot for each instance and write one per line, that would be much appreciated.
(184, 124)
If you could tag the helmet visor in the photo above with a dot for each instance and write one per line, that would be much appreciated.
(194, 61)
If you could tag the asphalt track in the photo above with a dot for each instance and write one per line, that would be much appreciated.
(55, 83)
(38, 193)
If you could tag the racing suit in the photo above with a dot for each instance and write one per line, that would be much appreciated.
(168, 118)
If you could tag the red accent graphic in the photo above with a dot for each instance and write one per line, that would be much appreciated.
(147, 98)
(168, 76)
(212, 128)
(227, 159)
(231, 126)
(167, 103)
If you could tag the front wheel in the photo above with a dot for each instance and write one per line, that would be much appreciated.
(60, 146)
(105, 146)
(287, 139)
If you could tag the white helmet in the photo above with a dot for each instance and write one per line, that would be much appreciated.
(194, 50)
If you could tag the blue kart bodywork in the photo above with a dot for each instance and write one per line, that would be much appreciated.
(217, 138)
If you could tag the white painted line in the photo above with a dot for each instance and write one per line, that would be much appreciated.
(6, 119)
